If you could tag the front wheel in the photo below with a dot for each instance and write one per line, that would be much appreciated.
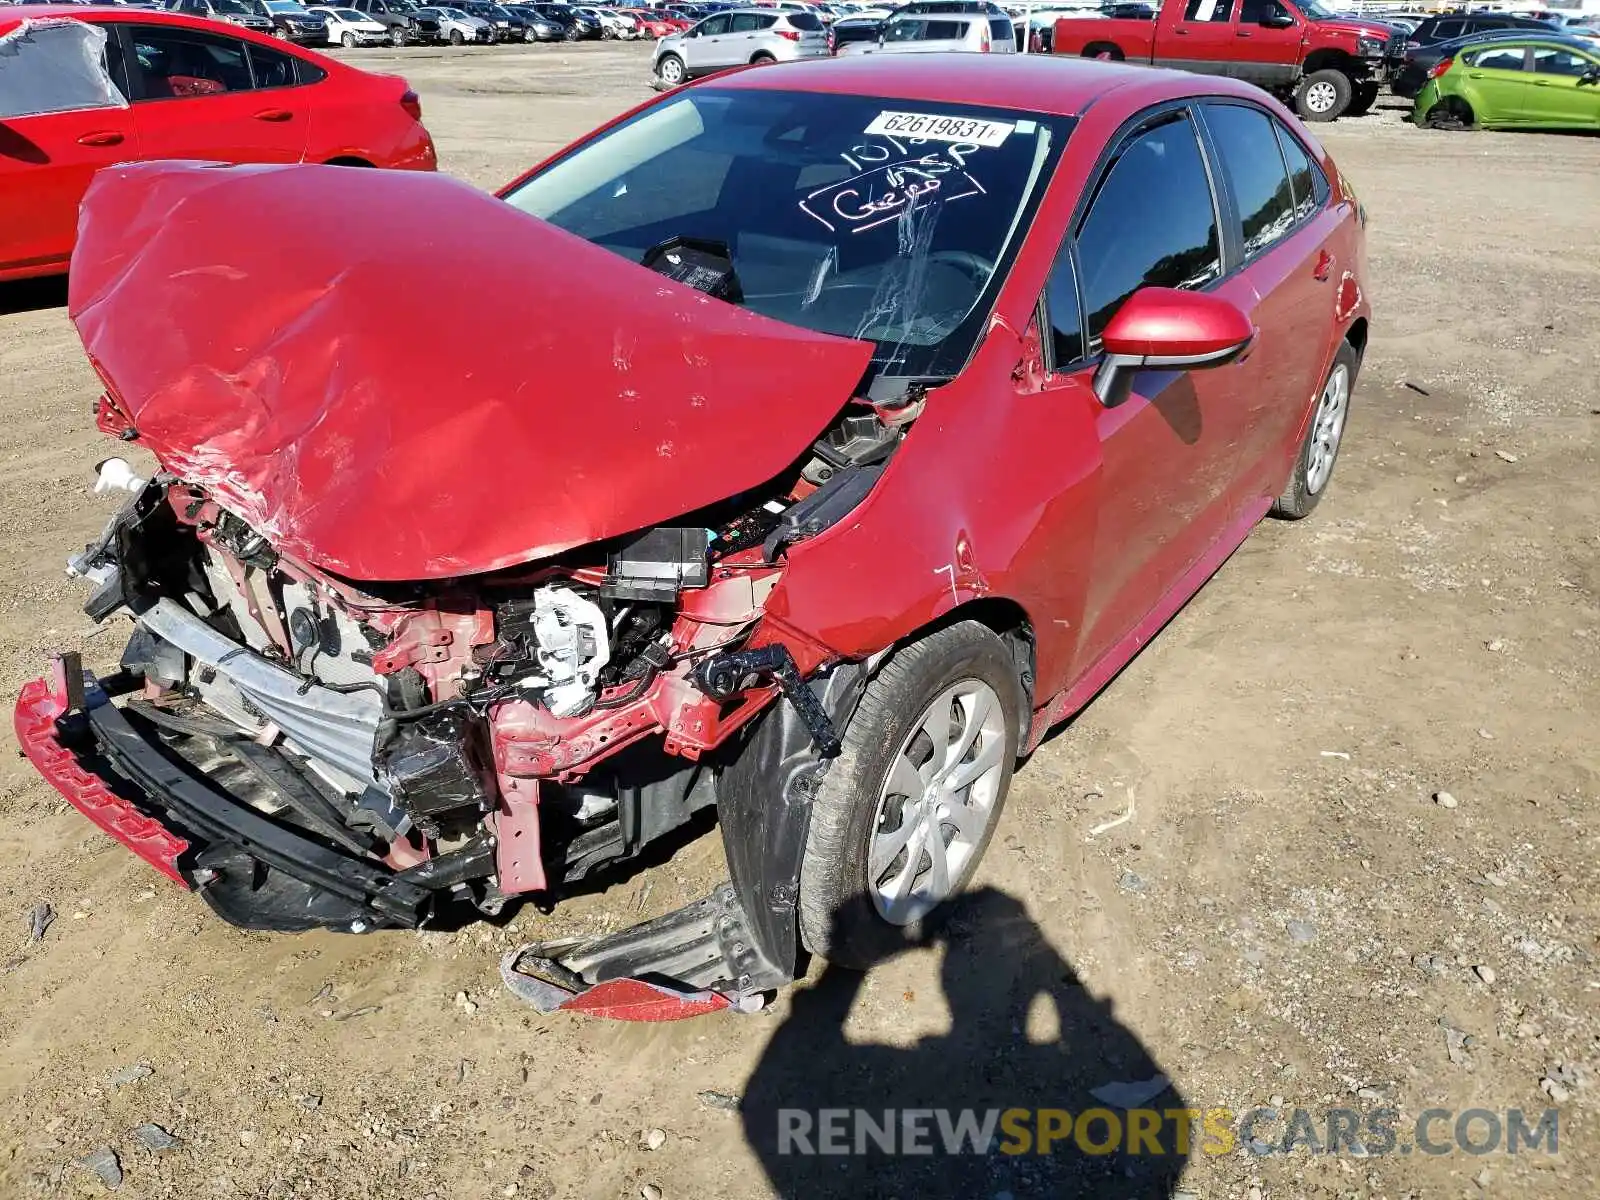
(1313, 465)
(1323, 95)
(906, 811)
(571, 33)
(397, 36)
(348, 41)
(762, 59)
(670, 70)
(457, 38)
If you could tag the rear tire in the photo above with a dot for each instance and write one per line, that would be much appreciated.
(1319, 451)
(1452, 113)
(1323, 95)
(1103, 50)
(947, 680)
(761, 59)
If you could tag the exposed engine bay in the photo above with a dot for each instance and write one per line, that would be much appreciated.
(477, 738)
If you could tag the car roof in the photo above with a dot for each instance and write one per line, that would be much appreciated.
(1523, 37)
(1057, 85)
(10, 15)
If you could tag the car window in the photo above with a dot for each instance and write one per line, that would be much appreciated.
(713, 26)
(1001, 29)
(746, 22)
(1066, 319)
(1253, 12)
(1445, 30)
(1549, 61)
(183, 63)
(807, 22)
(1152, 222)
(58, 68)
(1209, 10)
(1306, 180)
(1501, 58)
(273, 68)
(1256, 173)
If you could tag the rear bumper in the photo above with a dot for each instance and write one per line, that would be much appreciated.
(254, 871)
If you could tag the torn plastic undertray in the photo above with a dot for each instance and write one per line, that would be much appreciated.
(696, 960)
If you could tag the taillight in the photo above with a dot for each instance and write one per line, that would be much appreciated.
(412, 103)
(983, 46)
(792, 35)
(1440, 67)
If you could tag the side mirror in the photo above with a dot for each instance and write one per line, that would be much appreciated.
(1168, 328)
(1589, 78)
(1278, 20)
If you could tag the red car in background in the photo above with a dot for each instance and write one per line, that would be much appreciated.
(87, 87)
(654, 24)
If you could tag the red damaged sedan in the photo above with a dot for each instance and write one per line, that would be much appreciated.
(833, 430)
(84, 87)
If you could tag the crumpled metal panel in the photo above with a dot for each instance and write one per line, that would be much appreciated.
(395, 376)
(336, 728)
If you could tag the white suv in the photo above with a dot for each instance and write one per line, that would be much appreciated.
(735, 38)
(918, 33)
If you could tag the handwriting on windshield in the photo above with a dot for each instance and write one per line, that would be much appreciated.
(880, 194)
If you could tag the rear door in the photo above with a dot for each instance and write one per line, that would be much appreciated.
(199, 94)
(1564, 91)
(745, 34)
(63, 116)
(1200, 39)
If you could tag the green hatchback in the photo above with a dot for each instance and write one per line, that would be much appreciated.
(1537, 82)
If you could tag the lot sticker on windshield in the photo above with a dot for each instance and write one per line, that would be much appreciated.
(940, 129)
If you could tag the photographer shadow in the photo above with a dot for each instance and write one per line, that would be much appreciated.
(996, 964)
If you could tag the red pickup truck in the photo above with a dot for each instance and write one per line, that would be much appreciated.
(1330, 65)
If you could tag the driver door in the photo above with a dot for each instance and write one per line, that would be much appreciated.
(707, 47)
(1268, 35)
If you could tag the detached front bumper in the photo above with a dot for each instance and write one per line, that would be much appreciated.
(255, 872)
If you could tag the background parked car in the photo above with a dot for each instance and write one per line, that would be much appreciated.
(849, 30)
(294, 23)
(394, 15)
(575, 25)
(1449, 26)
(539, 27)
(194, 89)
(732, 39)
(1412, 73)
(1508, 83)
(248, 14)
(978, 33)
(349, 28)
(459, 27)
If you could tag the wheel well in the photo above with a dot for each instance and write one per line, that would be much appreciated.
(1357, 337)
(762, 56)
(1338, 60)
(1096, 49)
(348, 162)
(1006, 618)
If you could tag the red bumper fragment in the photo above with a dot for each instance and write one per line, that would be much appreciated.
(37, 709)
(614, 999)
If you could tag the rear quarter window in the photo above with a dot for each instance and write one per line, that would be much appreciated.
(1000, 29)
(808, 22)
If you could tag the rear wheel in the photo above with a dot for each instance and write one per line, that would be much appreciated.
(906, 811)
(1452, 112)
(1323, 95)
(670, 70)
(1313, 465)
(762, 59)
(1105, 50)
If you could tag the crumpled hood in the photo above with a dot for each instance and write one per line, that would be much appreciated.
(395, 376)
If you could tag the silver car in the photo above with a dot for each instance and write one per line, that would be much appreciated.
(924, 32)
(734, 38)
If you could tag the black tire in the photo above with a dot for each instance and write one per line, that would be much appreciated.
(838, 919)
(1362, 99)
(761, 59)
(663, 70)
(349, 40)
(457, 38)
(1314, 102)
(1298, 498)
(1105, 50)
(397, 36)
(1451, 113)
(571, 33)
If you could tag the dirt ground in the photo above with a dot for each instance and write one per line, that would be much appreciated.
(1289, 917)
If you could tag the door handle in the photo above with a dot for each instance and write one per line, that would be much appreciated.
(1181, 32)
(1474, 74)
(1324, 267)
(1242, 33)
(105, 137)
(1541, 83)
(274, 114)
